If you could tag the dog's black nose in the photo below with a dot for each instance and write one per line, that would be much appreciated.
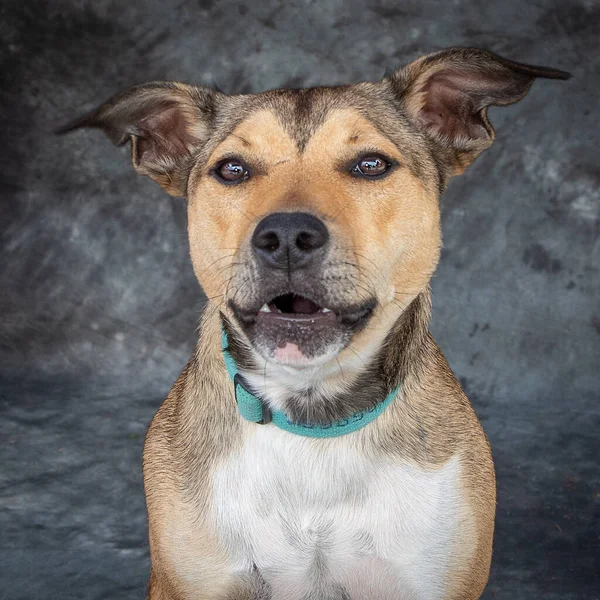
(289, 240)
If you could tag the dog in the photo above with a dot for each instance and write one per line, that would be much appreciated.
(317, 445)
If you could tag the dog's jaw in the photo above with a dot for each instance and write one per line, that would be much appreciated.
(283, 335)
(340, 381)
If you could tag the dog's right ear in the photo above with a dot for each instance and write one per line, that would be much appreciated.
(167, 124)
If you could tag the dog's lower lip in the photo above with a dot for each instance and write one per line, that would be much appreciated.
(306, 318)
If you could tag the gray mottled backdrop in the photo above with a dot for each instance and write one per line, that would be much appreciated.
(98, 303)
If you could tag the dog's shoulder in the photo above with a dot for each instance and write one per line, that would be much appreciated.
(433, 420)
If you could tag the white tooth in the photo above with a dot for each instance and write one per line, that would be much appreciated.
(325, 310)
(279, 311)
(265, 308)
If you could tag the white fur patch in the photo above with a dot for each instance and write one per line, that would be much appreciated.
(326, 377)
(318, 517)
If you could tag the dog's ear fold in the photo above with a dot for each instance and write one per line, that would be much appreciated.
(167, 123)
(447, 95)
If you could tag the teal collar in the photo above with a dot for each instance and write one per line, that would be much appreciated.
(253, 409)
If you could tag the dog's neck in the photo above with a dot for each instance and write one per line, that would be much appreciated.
(333, 392)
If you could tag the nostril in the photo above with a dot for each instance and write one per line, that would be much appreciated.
(305, 241)
(267, 240)
(308, 240)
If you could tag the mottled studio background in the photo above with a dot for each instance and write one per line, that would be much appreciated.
(98, 303)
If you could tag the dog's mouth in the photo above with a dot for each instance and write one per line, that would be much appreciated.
(295, 329)
(293, 306)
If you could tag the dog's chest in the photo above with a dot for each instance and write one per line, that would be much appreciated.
(319, 519)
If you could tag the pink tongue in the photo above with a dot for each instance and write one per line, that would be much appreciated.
(289, 352)
(303, 306)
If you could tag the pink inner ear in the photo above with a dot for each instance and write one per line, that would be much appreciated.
(163, 136)
(452, 105)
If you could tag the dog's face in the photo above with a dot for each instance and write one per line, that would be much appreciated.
(313, 214)
(310, 220)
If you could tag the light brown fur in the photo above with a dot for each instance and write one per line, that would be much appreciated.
(433, 422)
(430, 119)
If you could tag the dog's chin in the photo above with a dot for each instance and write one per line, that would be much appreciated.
(296, 331)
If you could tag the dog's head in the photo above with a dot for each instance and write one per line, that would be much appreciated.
(313, 213)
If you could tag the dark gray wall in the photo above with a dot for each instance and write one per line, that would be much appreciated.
(99, 305)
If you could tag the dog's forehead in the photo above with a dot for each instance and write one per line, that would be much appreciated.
(301, 113)
(265, 133)
(300, 120)
(325, 123)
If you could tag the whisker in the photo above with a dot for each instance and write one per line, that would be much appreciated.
(251, 220)
(357, 354)
(214, 262)
(341, 370)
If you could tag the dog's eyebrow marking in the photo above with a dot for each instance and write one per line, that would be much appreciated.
(280, 162)
(355, 135)
(244, 141)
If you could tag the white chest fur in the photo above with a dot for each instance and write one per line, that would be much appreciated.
(321, 520)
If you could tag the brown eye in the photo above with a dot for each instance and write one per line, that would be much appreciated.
(231, 171)
(371, 166)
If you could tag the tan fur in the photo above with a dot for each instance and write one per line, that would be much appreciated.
(432, 423)
(430, 120)
(184, 440)
(392, 228)
(393, 231)
(438, 420)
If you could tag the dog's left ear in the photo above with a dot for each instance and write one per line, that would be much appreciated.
(166, 123)
(447, 95)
